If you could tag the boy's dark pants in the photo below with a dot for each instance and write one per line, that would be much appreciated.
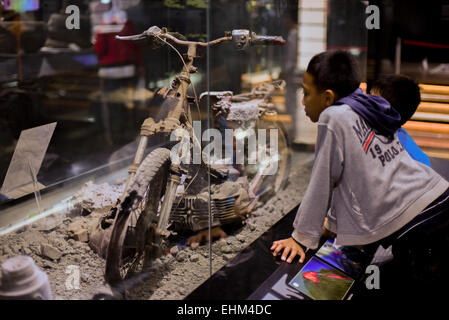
(420, 267)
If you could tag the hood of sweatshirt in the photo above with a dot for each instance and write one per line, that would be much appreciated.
(376, 111)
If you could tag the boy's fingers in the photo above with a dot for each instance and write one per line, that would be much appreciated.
(302, 256)
(292, 256)
(279, 247)
(285, 253)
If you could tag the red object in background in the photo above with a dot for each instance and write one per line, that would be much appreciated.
(111, 51)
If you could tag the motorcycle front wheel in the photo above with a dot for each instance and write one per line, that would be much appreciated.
(134, 241)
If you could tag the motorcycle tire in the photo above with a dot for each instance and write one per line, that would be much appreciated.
(133, 238)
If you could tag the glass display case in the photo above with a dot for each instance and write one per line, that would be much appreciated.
(134, 153)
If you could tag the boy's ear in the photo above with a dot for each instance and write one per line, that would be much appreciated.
(329, 97)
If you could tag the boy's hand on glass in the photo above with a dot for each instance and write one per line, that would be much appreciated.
(288, 246)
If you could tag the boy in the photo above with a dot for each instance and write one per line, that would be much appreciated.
(375, 187)
(404, 96)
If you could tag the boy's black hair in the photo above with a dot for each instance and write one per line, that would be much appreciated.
(336, 70)
(401, 92)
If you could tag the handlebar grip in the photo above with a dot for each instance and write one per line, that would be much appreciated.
(268, 40)
(147, 34)
(243, 38)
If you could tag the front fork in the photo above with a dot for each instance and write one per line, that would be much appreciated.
(137, 161)
(172, 122)
(174, 180)
(156, 248)
(149, 128)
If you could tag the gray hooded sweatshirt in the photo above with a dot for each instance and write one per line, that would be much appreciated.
(370, 183)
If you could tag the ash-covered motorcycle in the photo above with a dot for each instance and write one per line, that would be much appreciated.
(162, 195)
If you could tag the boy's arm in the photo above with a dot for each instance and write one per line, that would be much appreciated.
(326, 172)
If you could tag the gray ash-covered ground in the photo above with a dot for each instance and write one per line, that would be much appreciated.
(59, 244)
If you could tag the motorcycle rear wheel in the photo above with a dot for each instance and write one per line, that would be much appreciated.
(275, 181)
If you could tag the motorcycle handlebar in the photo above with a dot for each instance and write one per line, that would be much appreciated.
(242, 38)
